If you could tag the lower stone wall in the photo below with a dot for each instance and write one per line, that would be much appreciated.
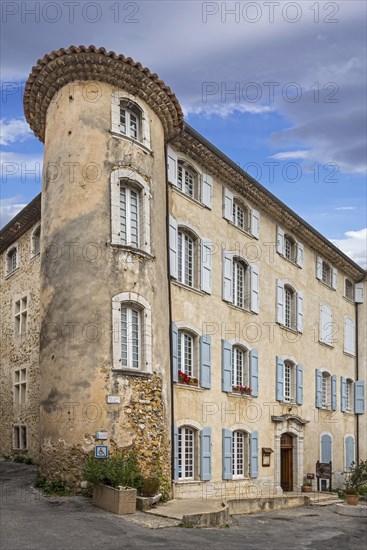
(231, 489)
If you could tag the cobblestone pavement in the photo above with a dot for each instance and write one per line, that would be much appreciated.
(35, 522)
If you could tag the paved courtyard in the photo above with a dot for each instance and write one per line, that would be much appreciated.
(32, 521)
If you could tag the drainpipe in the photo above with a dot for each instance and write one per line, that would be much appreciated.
(357, 377)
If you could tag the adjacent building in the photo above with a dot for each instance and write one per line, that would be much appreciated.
(157, 297)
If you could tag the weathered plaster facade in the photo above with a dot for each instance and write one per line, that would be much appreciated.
(83, 274)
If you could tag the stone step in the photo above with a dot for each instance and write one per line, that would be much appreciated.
(327, 502)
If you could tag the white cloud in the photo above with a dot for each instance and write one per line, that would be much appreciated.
(291, 155)
(23, 166)
(10, 208)
(346, 208)
(13, 130)
(354, 245)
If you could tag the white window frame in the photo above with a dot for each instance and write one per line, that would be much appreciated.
(240, 369)
(135, 301)
(36, 250)
(187, 171)
(349, 395)
(351, 298)
(290, 314)
(187, 264)
(20, 385)
(240, 209)
(131, 225)
(242, 289)
(326, 273)
(186, 459)
(20, 428)
(21, 306)
(291, 246)
(191, 369)
(240, 461)
(127, 177)
(10, 269)
(144, 138)
(289, 381)
(326, 390)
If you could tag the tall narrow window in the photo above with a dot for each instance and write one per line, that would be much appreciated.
(36, 241)
(185, 353)
(20, 386)
(11, 260)
(241, 216)
(186, 256)
(240, 284)
(21, 314)
(289, 307)
(240, 455)
(130, 337)
(129, 215)
(326, 273)
(187, 180)
(289, 382)
(186, 449)
(130, 120)
(289, 248)
(349, 396)
(20, 439)
(326, 390)
(240, 374)
(349, 290)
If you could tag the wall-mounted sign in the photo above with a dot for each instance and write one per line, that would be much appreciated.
(266, 454)
(102, 435)
(113, 399)
(101, 451)
(310, 476)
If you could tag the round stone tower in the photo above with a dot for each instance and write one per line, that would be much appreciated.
(104, 342)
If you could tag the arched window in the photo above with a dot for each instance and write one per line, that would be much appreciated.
(289, 382)
(349, 290)
(11, 260)
(129, 214)
(186, 453)
(349, 403)
(240, 367)
(326, 390)
(241, 215)
(240, 454)
(187, 351)
(290, 251)
(36, 241)
(187, 179)
(130, 336)
(186, 258)
(326, 273)
(289, 307)
(130, 119)
(240, 284)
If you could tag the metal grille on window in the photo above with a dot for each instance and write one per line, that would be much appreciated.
(238, 284)
(185, 258)
(130, 337)
(238, 453)
(185, 453)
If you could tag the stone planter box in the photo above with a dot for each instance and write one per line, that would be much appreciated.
(306, 489)
(352, 500)
(119, 501)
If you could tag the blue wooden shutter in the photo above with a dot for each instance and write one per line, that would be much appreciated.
(334, 404)
(299, 389)
(349, 452)
(173, 247)
(254, 372)
(174, 353)
(280, 302)
(206, 454)
(226, 366)
(255, 289)
(227, 276)
(280, 378)
(254, 454)
(175, 453)
(325, 448)
(205, 361)
(343, 394)
(299, 296)
(359, 398)
(318, 387)
(206, 265)
(227, 472)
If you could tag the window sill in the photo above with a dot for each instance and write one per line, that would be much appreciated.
(188, 481)
(289, 329)
(186, 287)
(188, 387)
(243, 231)
(289, 261)
(326, 285)
(243, 309)
(131, 372)
(330, 346)
(239, 395)
(33, 256)
(348, 354)
(186, 196)
(132, 140)
(132, 250)
(349, 300)
(8, 275)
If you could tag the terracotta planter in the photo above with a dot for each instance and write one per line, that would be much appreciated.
(306, 489)
(119, 501)
(352, 500)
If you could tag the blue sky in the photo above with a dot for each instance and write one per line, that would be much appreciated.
(279, 87)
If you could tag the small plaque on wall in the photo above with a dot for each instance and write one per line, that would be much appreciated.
(102, 435)
(113, 399)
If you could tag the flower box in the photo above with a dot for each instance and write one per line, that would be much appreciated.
(120, 500)
(184, 378)
(243, 390)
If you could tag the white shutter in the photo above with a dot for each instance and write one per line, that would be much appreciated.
(358, 293)
(207, 190)
(255, 289)
(206, 265)
(334, 278)
(280, 302)
(326, 319)
(173, 249)
(299, 254)
(255, 223)
(299, 311)
(145, 122)
(227, 276)
(280, 240)
(227, 204)
(172, 166)
(115, 114)
(349, 336)
(319, 267)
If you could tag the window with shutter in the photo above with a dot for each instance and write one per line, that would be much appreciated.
(326, 325)
(326, 390)
(130, 120)
(206, 265)
(240, 368)
(349, 290)
(240, 454)
(241, 284)
(241, 215)
(187, 262)
(206, 454)
(186, 354)
(289, 382)
(349, 396)
(186, 453)
(187, 179)
(325, 444)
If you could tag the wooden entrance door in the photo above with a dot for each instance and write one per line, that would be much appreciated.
(286, 462)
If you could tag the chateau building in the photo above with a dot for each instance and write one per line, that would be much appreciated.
(157, 297)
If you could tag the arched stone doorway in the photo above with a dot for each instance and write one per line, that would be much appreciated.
(286, 462)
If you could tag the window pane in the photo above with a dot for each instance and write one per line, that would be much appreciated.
(185, 453)
(238, 284)
(123, 121)
(238, 443)
(135, 339)
(133, 126)
(124, 336)
(123, 215)
(134, 217)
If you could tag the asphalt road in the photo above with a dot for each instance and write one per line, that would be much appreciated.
(34, 522)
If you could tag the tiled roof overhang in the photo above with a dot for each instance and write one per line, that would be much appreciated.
(82, 63)
(23, 221)
(228, 172)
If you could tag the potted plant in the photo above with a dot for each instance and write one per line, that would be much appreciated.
(307, 486)
(357, 478)
(243, 390)
(115, 482)
(184, 378)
